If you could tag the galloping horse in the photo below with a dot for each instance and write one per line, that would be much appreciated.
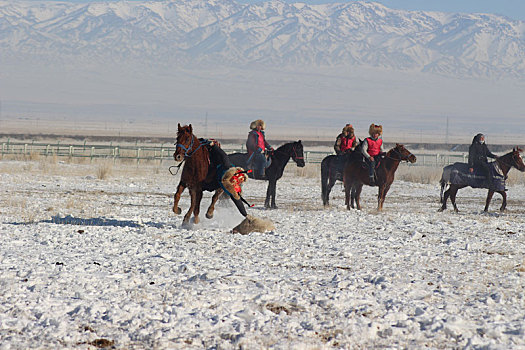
(274, 172)
(198, 175)
(356, 175)
(505, 163)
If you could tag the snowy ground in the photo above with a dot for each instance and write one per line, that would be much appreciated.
(87, 262)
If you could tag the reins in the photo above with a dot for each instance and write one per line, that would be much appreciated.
(175, 166)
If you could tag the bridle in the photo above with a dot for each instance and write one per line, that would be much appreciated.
(294, 151)
(295, 156)
(515, 162)
(400, 155)
(187, 150)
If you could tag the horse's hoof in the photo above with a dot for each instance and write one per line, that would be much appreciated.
(177, 210)
(186, 225)
(274, 207)
(209, 216)
(196, 220)
(440, 210)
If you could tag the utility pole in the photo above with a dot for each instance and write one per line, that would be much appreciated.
(446, 139)
(206, 125)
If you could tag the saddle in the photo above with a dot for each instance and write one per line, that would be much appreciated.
(460, 175)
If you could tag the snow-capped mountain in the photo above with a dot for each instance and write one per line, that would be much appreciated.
(274, 33)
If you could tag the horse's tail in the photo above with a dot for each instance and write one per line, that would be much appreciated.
(325, 175)
(443, 185)
(445, 180)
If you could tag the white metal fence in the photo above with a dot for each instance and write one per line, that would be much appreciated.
(163, 152)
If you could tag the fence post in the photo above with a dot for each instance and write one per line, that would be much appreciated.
(138, 156)
(47, 150)
(71, 151)
(25, 149)
(91, 154)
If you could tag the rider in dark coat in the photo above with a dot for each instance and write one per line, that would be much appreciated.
(230, 177)
(477, 157)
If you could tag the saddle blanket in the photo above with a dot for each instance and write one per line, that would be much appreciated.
(460, 175)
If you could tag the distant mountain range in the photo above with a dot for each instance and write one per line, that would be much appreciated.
(191, 33)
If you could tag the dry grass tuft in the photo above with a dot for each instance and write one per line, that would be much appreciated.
(104, 170)
(419, 174)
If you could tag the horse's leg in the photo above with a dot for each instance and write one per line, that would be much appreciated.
(446, 194)
(331, 183)
(268, 194)
(348, 194)
(358, 189)
(211, 208)
(381, 189)
(274, 192)
(487, 201)
(504, 203)
(176, 198)
(197, 209)
(193, 195)
(383, 197)
(453, 193)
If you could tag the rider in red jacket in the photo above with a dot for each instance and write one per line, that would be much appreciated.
(257, 147)
(345, 141)
(372, 148)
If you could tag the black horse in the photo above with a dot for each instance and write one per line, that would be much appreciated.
(274, 172)
(455, 176)
(332, 167)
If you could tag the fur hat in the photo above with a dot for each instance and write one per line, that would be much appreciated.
(349, 129)
(375, 129)
(232, 180)
(256, 123)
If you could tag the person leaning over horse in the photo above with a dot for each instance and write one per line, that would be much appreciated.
(230, 177)
(257, 145)
(477, 157)
(345, 141)
(372, 148)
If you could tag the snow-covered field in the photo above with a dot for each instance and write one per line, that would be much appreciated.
(89, 262)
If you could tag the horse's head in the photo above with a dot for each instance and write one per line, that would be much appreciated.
(185, 142)
(517, 160)
(298, 154)
(404, 154)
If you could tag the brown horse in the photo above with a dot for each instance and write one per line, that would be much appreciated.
(355, 175)
(197, 174)
(505, 163)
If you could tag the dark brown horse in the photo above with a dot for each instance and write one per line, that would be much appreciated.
(505, 163)
(355, 176)
(197, 175)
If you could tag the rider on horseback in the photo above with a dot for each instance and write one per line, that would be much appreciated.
(258, 147)
(372, 147)
(345, 141)
(477, 157)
